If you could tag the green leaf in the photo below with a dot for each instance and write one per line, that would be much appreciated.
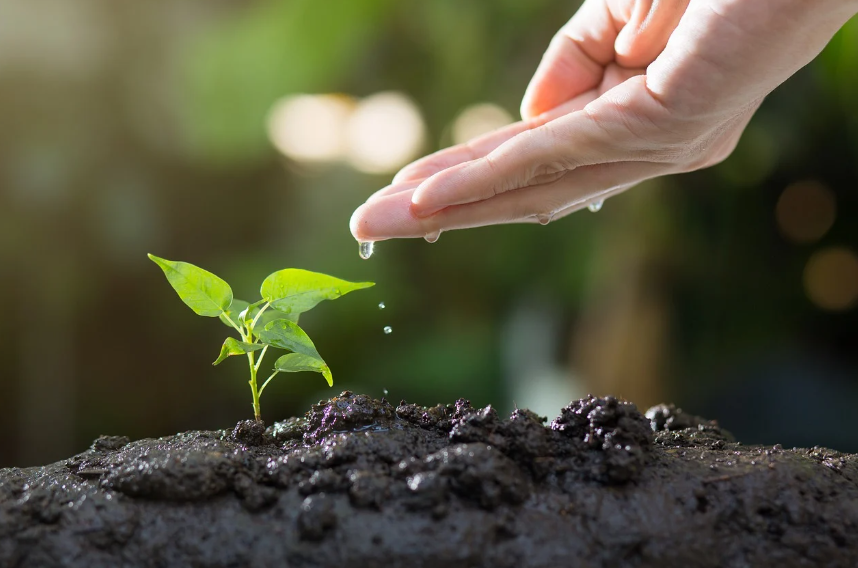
(269, 315)
(294, 291)
(294, 362)
(272, 314)
(201, 290)
(235, 308)
(246, 315)
(233, 346)
(285, 334)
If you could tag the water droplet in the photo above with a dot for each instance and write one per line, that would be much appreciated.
(432, 237)
(388, 330)
(386, 392)
(381, 306)
(595, 206)
(544, 219)
(365, 249)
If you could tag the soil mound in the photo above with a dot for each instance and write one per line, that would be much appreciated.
(361, 482)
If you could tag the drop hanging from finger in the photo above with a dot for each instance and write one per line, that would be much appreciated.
(432, 237)
(596, 205)
(365, 249)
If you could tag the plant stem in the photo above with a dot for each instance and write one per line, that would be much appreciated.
(238, 329)
(257, 413)
(268, 380)
(259, 313)
(259, 362)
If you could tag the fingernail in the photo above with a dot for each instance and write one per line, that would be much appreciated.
(400, 175)
(392, 189)
(423, 211)
(385, 193)
(411, 172)
(420, 207)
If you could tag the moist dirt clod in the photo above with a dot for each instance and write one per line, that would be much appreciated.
(365, 483)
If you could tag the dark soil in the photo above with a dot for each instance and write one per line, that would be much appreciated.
(361, 482)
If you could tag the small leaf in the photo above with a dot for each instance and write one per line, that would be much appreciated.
(285, 334)
(269, 315)
(233, 346)
(294, 291)
(294, 362)
(201, 290)
(246, 315)
(236, 308)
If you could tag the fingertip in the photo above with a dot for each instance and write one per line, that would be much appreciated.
(647, 32)
(417, 170)
(530, 103)
(419, 206)
(624, 43)
(392, 189)
(423, 204)
(422, 210)
(401, 175)
(525, 108)
(388, 217)
(358, 222)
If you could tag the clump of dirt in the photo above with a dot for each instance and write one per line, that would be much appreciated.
(364, 482)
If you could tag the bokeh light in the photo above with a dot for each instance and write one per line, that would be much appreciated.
(385, 132)
(805, 211)
(310, 128)
(831, 279)
(479, 119)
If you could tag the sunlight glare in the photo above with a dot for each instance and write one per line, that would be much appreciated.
(310, 128)
(479, 119)
(385, 132)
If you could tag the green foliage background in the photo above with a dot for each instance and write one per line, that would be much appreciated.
(137, 127)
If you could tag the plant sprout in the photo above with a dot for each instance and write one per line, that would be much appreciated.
(269, 322)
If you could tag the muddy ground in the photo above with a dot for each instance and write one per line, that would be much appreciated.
(361, 482)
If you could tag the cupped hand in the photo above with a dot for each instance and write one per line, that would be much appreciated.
(628, 90)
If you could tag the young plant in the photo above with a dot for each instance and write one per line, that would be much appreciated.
(269, 322)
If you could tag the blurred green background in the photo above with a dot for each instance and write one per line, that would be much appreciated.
(173, 127)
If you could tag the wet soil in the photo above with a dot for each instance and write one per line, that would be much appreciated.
(365, 483)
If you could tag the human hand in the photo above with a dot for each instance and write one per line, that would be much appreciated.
(628, 90)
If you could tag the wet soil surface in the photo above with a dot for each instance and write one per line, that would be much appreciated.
(365, 483)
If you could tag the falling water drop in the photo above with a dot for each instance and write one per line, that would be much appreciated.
(381, 306)
(365, 249)
(432, 237)
(386, 392)
(544, 219)
(388, 330)
(595, 206)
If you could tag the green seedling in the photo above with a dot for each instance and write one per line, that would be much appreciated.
(269, 322)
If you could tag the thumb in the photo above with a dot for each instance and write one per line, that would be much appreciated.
(574, 61)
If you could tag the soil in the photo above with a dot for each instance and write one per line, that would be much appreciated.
(361, 482)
